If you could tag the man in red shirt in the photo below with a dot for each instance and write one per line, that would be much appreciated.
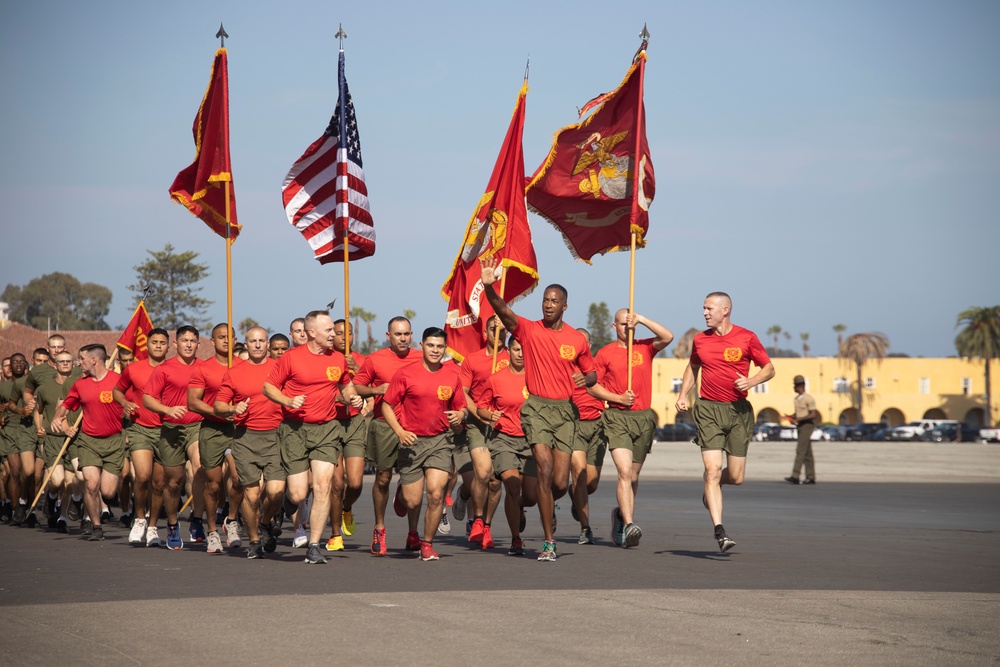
(630, 421)
(430, 403)
(142, 432)
(372, 380)
(166, 395)
(306, 382)
(215, 438)
(557, 361)
(100, 444)
(255, 442)
(722, 415)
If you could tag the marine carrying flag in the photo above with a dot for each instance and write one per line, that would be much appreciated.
(587, 187)
(324, 192)
(201, 187)
(136, 333)
(498, 227)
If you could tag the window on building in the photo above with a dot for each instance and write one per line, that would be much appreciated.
(925, 386)
(841, 386)
(675, 385)
(760, 388)
(869, 383)
(966, 386)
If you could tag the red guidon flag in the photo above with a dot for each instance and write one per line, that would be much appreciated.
(498, 228)
(587, 186)
(134, 337)
(202, 186)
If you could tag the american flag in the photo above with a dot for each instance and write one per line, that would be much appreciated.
(325, 190)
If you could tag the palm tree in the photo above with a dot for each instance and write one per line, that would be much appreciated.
(805, 344)
(775, 331)
(840, 329)
(859, 348)
(360, 313)
(246, 325)
(980, 339)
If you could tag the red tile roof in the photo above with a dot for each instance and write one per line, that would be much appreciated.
(18, 337)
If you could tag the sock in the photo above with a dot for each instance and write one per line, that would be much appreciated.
(22, 501)
(719, 530)
(53, 496)
(77, 497)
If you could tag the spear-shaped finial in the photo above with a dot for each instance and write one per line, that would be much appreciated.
(330, 305)
(222, 34)
(341, 35)
(644, 36)
(527, 65)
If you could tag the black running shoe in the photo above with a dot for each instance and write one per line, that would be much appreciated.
(267, 539)
(30, 521)
(255, 550)
(97, 534)
(86, 527)
(725, 542)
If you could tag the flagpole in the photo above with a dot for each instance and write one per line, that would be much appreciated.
(636, 176)
(341, 35)
(229, 283)
(496, 332)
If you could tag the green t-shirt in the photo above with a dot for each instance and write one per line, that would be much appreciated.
(49, 395)
(37, 375)
(5, 388)
(17, 395)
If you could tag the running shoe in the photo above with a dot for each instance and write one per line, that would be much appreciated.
(214, 542)
(397, 502)
(196, 530)
(448, 501)
(86, 527)
(314, 556)
(137, 535)
(97, 534)
(61, 526)
(50, 507)
(106, 517)
(268, 540)
(444, 528)
(31, 521)
(378, 543)
(6, 513)
(458, 505)
(792, 480)
(468, 527)
(174, 541)
(427, 552)
(335, 543)
(276, 526)
(300, 539)
(548, 552)
(255, 550)
(487, 541)
(478, 528)
(725, 542)
(632, 535)
(516, 547)
(809, 481)
(617, 527)
(75, 510)
(152, 537)
(586, 536)
(347, 524)
(125, 519)
(19, 514)
(232, 530)
(412, 541)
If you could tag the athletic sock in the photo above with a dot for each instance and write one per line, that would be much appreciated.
(719, 530)
(76, 497)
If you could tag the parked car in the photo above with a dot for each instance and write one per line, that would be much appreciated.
(835, 433)
(951, 433)
(676, 432)
(769, 431)
(989, 435)
(880, 434)
(859, 432)
(766, 431)
(913, 430)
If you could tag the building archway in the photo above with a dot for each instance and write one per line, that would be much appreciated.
(893, 417)
(768, 415)
(975, 417)
(935, 413)
(848, 417)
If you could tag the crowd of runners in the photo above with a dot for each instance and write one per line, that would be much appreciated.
(280, 441)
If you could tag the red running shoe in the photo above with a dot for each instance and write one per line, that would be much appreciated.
(378, 543)
(478, 529)
(488, 542)
(427, 551)
(413, 541)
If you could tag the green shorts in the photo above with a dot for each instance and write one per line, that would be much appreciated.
(214, 440)
(725, 426)
(427, 452)
(355, 436)
(22, 438)
(72, 454)
(53, 444)
(257, 453)
(630, 429)
(509, 452)
(105, 453)
(476, 432)
(383, 445)
(461, 459)
(550, 423)
(590, 436)
(4, 443)
(171, 448)
(302, 443)
(142, 438)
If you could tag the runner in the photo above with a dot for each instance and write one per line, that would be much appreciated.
(48, 395)
(19, 432)
(297, 332)
(431, 406)
(277, 345)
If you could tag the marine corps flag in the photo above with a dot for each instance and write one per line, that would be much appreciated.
(201, 187)
(499, 227)
(587, 186)
(136, 333)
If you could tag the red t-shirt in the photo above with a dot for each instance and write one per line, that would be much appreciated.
(247, 381)
(345, 410)
(421, 397)
(552, 357)
(169, 385)
(590, 408)
(317, 376)
(132, 383)
(477, 369)
(208, 376)
(102, 416)
(612, 372)
(380, 367)
(723, 358)
(506, 391)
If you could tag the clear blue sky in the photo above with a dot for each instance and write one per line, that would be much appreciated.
(824, 163)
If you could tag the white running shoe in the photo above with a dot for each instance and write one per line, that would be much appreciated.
(301, 539)
(232, 529)
(214, 542)
(137, 535)
(152, 537)
(444, 528)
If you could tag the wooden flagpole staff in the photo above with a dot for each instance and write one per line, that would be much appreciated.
(636, 176)
(496, 332)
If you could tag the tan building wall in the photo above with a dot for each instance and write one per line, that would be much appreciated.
(901, 389)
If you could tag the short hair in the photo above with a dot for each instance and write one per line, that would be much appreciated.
(560, 288)
(398, 318)
(219, 326)
(95, 349)
(187, 328)
(239, 347)
(291, 325)
(720, 295)
(339, 321)
(158, 331)
(38, 351)
(18, 354)
(313, 315)
(278, 338)
(434, 332)
(254, 328)
(55, 337)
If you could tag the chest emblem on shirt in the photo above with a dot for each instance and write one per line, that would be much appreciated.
(106, 397)
(501, 364)
(636, 358)
(333, 373)
(524, 392)
(444, 393)
(567, 352)
(732, 354)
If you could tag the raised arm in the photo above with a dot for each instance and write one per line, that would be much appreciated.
(500, 307)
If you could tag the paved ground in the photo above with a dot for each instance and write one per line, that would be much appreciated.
(890, 559)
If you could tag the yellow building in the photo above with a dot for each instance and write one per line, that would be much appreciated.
(897, 391)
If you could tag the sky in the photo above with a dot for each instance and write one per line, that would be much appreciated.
(823, 163)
